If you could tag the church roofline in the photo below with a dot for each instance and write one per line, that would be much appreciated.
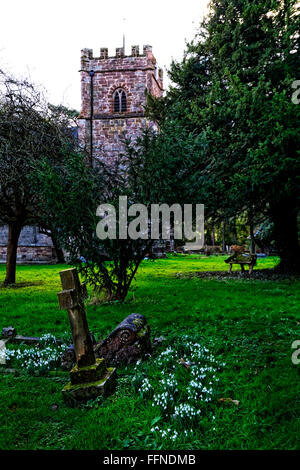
(120, 53)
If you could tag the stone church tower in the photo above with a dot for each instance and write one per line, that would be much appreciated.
(113, 93)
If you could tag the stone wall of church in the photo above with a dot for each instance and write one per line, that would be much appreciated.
(136, 74)
(34, 246)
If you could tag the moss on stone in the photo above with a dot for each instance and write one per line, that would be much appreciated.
(143, 332)
(138, 322)
(92, 366)
(87, 374)
(98, 383)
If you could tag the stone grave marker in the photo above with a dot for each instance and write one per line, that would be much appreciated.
(89, 377)
(127, 343)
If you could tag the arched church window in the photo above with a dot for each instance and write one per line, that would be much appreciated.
(120, 101)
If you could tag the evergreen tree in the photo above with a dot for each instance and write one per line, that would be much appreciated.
(234, 87)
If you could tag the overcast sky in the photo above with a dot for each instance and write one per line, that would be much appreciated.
(42, 39)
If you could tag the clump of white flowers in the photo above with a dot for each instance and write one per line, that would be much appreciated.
(145, 386)
(166, 433)
(184, 410)
(181, 383)
(163, 400)
(48, 338)
(36, 359)
(170, 383)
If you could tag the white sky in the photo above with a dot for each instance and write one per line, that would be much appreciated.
(42, 39)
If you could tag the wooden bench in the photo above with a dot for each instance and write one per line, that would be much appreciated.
(242, 260)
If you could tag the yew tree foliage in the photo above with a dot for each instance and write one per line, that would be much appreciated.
(233, 91)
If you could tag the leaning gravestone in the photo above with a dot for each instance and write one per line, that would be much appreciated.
(127, 343)
(90, 377)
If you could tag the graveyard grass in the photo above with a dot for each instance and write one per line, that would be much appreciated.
(247, 324)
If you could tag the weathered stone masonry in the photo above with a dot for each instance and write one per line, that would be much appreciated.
(34, 246)
(135, 75)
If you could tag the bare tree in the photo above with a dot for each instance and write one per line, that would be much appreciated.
(30, 129)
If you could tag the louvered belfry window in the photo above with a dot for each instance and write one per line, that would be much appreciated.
(120, 101)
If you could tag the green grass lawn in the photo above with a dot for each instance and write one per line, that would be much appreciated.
(248, 326)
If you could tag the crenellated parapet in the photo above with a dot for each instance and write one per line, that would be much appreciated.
(144, 61)
(88, 54)
(120, 84)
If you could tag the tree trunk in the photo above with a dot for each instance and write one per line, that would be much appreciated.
(14, 230)
(223, 237)
(234, 237)
(213, 234)
(284, 216)
(120, 293)
(59, 252)
(252, 237)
